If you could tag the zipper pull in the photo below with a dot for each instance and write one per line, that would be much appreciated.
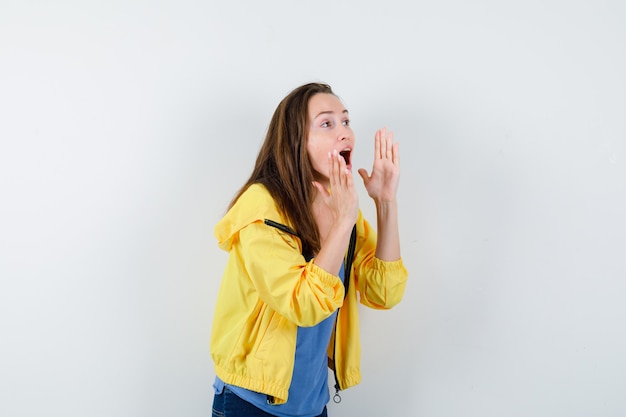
(336, 397)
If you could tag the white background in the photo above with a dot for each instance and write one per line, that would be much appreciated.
(127, 126)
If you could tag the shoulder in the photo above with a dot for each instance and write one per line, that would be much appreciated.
(253, 205)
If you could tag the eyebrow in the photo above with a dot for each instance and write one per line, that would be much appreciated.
(329, 112)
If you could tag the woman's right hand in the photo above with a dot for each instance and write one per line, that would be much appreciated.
(341, 204)
(342, 199)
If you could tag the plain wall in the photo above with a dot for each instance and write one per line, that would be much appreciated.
(127, 126)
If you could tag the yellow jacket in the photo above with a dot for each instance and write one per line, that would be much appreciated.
(268, 289)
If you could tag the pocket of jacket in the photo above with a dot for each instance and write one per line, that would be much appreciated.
(277, 336)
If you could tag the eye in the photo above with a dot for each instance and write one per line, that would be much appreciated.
(325, 124)
(346, 122)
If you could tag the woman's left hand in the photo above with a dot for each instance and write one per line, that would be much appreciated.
(382, 184)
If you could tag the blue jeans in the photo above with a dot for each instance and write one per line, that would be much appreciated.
(227, 404)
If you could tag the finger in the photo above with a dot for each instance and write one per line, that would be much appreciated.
(332, 170)
(363, 173)
(377, 154)
(383, 142)
(347, 176)
(337, 168)
(389, 145)
(396, 154)
(343, 170)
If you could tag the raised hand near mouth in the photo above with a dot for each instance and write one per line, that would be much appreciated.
(382, 184)
(335, 211)
(342, 199)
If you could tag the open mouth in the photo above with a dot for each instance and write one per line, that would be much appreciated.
(345, 154)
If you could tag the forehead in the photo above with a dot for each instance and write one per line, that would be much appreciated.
(324, 103)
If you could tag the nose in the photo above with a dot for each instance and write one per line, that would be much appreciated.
(344, 134)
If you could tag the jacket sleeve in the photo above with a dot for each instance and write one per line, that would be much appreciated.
(380, 283)
(300, 291)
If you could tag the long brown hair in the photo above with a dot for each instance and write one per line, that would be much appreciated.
(283, 164)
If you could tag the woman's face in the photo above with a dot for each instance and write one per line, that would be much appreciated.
(329, 130)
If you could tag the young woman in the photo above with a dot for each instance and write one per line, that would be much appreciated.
(300, 251)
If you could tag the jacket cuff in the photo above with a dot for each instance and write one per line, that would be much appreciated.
(389, 266)
(325, 277)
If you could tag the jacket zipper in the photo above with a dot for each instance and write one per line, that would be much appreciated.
(336, 397)
(347, 269)
(281, 227)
